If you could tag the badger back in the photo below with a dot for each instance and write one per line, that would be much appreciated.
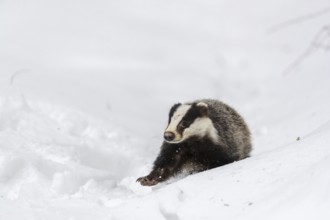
(231, 127)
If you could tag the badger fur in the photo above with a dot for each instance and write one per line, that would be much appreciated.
(200, 135)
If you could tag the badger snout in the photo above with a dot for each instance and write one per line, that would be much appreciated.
(169, 136)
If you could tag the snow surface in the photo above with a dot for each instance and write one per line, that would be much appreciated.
(85, 89)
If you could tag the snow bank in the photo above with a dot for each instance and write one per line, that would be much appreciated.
(47, 150)
(284, 184)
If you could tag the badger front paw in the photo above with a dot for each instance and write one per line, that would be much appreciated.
(147, 181)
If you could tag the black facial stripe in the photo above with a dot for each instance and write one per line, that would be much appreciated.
(192, 114)
(188, 119)
(173, 110)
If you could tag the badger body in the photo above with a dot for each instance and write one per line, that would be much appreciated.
(200, 135)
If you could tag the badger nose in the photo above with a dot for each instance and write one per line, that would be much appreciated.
(169, 136)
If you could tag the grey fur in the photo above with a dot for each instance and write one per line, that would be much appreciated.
(232, 129)
(198, 153)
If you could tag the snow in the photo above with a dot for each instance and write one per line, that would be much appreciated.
(85, 90)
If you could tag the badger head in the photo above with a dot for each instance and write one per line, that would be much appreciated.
(189, 120)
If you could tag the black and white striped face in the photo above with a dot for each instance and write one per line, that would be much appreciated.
(189, 120)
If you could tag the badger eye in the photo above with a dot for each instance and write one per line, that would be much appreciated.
(184, 124)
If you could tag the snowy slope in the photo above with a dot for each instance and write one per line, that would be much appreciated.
(85, 89)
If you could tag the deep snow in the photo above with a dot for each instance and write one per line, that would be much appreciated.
(85, 89)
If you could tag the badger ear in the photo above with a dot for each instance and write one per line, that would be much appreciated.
(203, 108)
(175, 106)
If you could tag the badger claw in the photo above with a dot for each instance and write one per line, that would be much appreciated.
(147, 181)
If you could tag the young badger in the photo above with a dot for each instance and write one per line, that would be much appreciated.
(200, 135)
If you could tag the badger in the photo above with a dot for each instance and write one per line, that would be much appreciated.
(200, 135)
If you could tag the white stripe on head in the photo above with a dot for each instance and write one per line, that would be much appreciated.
(176, 118)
